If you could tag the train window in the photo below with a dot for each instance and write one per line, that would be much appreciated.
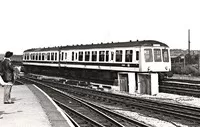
(157, 55)
(43, 56)
(137, 55)
(80, 58)
(56, 56)
(36, 56)
(27, 57)
(107, 55)
(87, 55)
(112, 56)
(33, 56)
(101, 55)
(65, 55)
(118, 55)
(48, 56)
(30, 57)
(52, 56)
(24, 56)
(72, 56)
(62, 55)
(148, 55)
(129, 56)
(165, 55)
(94, 55)
(39, 56)
(76, 56)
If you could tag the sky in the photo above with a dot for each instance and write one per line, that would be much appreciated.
(26, 24)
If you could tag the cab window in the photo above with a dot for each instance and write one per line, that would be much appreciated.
(148, 55)
(165, 55)
(157, 55)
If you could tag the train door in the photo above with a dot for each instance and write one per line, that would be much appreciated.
(123, 82)
(111, 56)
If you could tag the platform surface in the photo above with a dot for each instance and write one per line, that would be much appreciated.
(26, 110)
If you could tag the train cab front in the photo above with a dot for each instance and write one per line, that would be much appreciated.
(155, 59)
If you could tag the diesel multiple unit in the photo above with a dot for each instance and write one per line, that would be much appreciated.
(128, 63)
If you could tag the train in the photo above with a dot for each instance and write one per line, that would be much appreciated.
(118, 65)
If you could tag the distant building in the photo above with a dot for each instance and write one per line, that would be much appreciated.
(177, 52)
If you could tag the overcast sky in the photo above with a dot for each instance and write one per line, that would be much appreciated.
(26, 24)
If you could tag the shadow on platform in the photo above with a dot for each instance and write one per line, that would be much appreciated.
(14, 99)
(1, 112)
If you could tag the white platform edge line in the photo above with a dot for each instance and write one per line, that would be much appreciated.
(57, 107)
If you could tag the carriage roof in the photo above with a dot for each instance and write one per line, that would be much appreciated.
(102, 45)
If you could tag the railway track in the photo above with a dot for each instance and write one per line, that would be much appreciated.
(181, 87)
(176, 111)
(85, 113)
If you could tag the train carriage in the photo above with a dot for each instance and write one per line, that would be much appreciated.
(134, 65)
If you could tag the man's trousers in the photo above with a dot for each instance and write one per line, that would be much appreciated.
(7, 93)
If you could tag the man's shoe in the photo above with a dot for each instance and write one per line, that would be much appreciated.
(8, 102)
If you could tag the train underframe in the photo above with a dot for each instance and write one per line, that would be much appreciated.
(98, 76)
(131, 82)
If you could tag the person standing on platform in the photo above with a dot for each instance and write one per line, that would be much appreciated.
(8, 77)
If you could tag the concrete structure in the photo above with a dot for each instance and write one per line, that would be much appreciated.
(142, 83)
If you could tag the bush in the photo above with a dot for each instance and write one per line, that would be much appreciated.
(176, 69)
(188, 70)
(170, 74)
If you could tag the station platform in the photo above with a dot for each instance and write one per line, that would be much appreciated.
(31, 108)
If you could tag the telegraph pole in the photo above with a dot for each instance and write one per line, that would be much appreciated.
(189, 57)
(189, 41)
